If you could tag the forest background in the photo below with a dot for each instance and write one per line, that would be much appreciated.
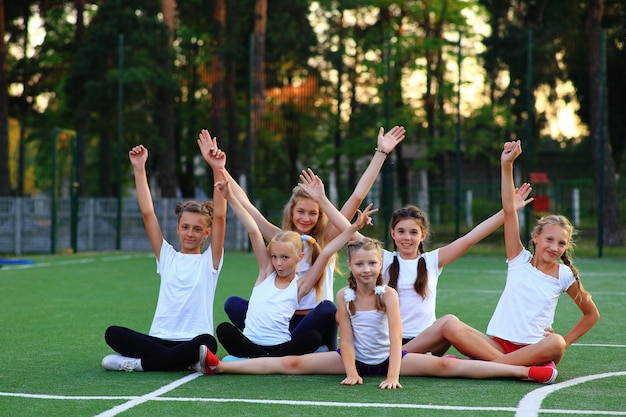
(288, 84)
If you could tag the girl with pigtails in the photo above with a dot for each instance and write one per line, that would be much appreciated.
(370, 329)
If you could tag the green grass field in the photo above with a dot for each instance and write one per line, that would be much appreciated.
(54, 314)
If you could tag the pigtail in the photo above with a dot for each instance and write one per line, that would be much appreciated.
(394, 272)
(380, 302)
(422, 278)
(581, 290)
(352, 287)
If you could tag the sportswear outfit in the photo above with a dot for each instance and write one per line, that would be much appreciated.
(320, 318)
(528, 302)
(183, 319)
(266, 331)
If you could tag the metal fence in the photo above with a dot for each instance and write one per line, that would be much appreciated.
(26, 223)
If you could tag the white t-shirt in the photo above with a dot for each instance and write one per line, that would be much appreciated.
(417, 313)
(309, 301)
(528, 302)
(269, 311)
(185, 306)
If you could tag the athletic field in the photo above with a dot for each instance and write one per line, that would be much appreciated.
(55, 311)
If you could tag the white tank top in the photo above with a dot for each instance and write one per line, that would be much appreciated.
(269, 312)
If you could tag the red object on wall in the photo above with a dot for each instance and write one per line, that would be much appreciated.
(539, 181)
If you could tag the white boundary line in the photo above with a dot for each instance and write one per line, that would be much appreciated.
(530, 405)
(147, 397)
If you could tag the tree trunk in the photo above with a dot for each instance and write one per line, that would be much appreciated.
(167, 157)
(217, 71)
(602, 160)
(5, 183)
(258, 71)
(82, 114)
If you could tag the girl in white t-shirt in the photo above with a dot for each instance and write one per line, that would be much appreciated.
(521, 326)
(371, 334)
(183, 319)
(278, 288)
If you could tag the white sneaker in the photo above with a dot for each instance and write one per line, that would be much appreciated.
(121, 363)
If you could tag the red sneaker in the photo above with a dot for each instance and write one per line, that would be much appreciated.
(543, 374)
(208, 360)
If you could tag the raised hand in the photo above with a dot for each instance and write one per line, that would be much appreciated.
(312, 184)
(521, 196)
(210, 151)
(138, 156)
(511, 151)
(223, 187)
(364, 217)
(388, 141)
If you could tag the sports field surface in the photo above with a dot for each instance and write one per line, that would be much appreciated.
(54, 313)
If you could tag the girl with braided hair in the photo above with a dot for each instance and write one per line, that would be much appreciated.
(521, 325)
(370, 329)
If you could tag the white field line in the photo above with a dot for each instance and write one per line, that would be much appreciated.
(148, 397)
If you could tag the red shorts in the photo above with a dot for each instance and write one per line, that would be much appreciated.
(507, 346)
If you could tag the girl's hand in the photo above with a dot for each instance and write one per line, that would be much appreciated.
(511, 151)
(210, 151)
(138, 156)
(312, 184)
(388, 141)
(364, 217)
(548, 331)
(223, 187)
(348, 380)
(521, 196)
(390, 384)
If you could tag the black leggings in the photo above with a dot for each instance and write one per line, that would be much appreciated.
(321, 319)
(237, 344)
(158, 354)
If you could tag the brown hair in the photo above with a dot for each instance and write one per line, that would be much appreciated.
(205, 209)
(366, 243)
(421, 279)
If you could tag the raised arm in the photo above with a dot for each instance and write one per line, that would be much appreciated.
(217, 160)
(512, 241)
(310, 278)
(386, 142)
(138, 157)
(256, 239)
(455, 249)
(268, 229)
